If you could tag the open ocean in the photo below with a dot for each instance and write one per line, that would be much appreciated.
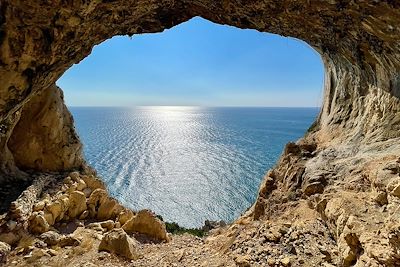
(187, 164)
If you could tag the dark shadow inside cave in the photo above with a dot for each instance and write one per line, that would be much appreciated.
(10, 191)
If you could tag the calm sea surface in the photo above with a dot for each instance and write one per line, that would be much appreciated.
(187, 164)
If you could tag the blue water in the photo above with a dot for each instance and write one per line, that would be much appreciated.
(187, 164)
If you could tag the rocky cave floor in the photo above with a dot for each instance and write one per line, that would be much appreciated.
(62, 230)
(347, 216)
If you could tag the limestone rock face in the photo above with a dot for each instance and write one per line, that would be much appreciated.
(38, 224)
(77, 204)
(44, 137)
(147, 223)
(118, 242)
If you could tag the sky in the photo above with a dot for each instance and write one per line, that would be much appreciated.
(197, 63)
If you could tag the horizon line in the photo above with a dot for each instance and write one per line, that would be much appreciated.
(198, 106)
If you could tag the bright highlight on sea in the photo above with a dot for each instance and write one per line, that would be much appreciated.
(187, 164)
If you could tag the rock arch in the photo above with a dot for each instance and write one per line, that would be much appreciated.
(358, 41)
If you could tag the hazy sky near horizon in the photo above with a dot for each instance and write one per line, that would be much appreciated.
(197, 63)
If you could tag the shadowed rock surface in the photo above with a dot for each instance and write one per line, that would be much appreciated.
(333, 197)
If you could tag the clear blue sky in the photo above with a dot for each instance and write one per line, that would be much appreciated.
(197, 63)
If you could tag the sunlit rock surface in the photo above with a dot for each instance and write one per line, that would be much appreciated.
(333, 197)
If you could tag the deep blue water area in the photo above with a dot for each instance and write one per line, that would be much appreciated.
(187, 164)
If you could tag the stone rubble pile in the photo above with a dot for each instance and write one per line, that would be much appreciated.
(77, 201)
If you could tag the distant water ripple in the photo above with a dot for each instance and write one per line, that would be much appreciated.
(187, 163)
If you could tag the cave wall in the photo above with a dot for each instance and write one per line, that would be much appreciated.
(44, 139)
(39, 40)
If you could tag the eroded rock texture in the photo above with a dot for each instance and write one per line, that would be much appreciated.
(342, 179)
(44, 138)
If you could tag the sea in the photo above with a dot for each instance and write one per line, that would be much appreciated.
(187, 164)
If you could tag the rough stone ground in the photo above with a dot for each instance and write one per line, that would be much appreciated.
(244, 243)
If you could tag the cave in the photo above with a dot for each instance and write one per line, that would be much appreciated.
(39, 42)
(359, 120)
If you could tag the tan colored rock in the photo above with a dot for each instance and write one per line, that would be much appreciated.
(271, 261)
(49, 217)
(51, 238)
(77, 201)
(243, 261)
(95, 226)
(4, 247)
(108, 225)
(35, 255)
(93, 182)
(44, 138)
(52, 252)
(39, 206)
(380, 198)
(74, 176)
(11, 225)
(108, 209)
(68, 180)
(10, 238)
(118, 242)
(56, 209)
(147, 223)
(396, 190)
(286, 261)
(125, 215)
(81, 185)
(96, 199)
(38, 224)
(84, 215)
(69, 240)
(87, 191)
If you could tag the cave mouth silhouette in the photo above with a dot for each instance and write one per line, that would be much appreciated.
(360, 60)
(359, 52)
(99, 57)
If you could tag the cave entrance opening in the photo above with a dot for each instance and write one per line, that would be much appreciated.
(207, 121)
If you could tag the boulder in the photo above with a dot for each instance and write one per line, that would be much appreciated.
(56, 209)
(37, 223)
(108, 225)
(39, 206)
(96, 199)
(118, 242)
(108, 209)
(395, 189)
(77, 201)
(80, 185)
(243, 261)
(49, 217)
(10, 238)
(125, 215)
(147, 223)
(95, 226)
(380, 198)
(87, 191)
(51, 238)
(69, 240)
(93, 182)
(74, 176)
